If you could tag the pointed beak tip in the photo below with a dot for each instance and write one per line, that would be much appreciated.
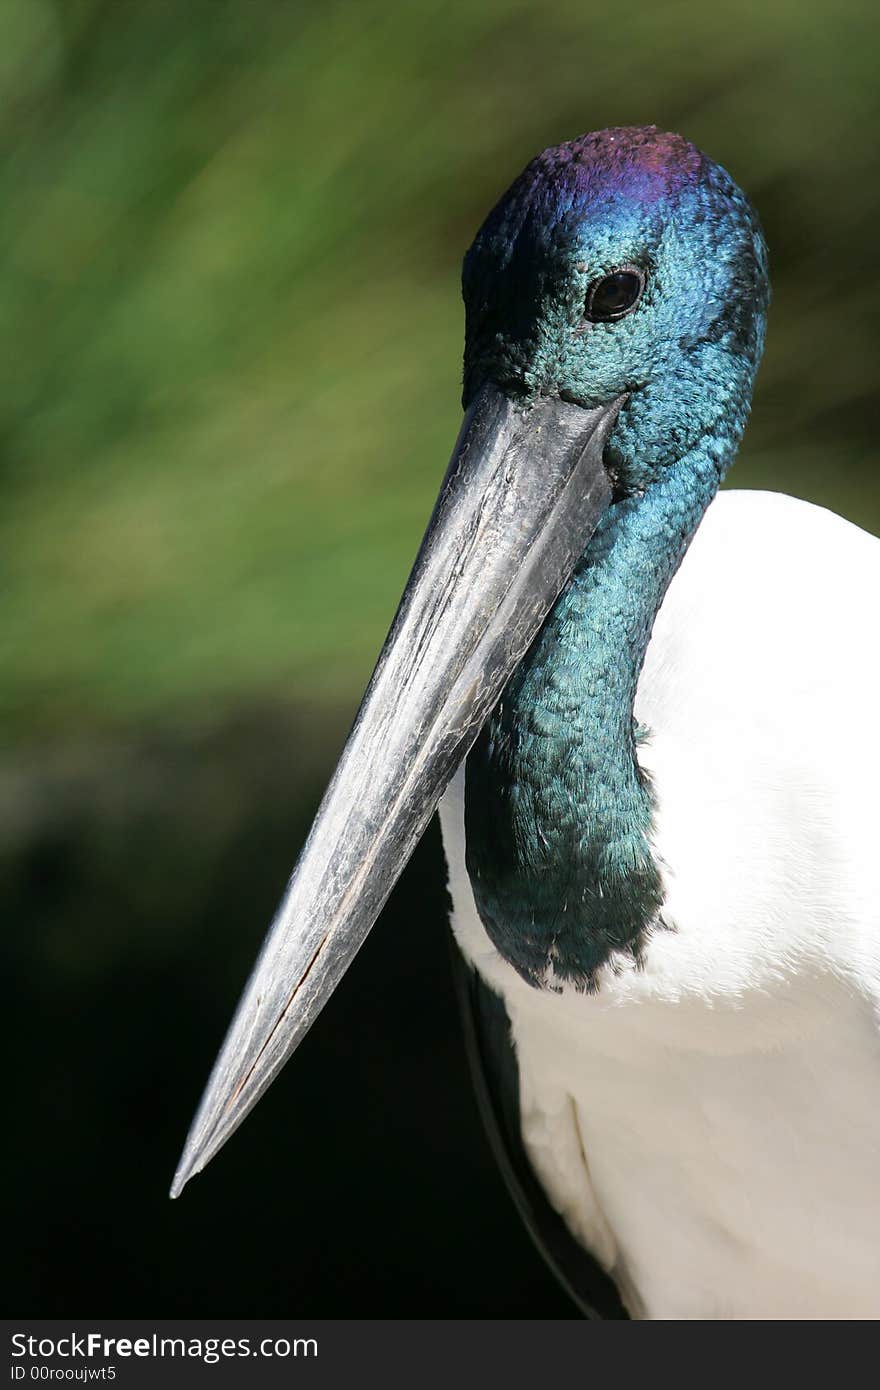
(216, 1119)
(181, 1178)
(191, 1164)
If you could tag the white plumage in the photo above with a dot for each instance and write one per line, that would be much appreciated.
(709, 1124)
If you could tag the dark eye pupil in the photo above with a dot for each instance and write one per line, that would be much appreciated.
(613, 295)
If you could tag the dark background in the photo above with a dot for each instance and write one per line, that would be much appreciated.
(230, 238)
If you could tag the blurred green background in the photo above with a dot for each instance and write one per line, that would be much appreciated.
(231, 235)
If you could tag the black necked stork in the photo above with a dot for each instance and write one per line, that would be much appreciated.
(645, 712)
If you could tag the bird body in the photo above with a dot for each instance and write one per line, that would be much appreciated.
(702, 1117)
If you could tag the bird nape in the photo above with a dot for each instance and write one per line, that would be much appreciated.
(639, 707)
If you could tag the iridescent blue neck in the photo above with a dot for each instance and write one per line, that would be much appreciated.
(558, 812)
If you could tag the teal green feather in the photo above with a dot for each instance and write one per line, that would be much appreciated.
(558, 813)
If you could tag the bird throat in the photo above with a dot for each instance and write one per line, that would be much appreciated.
(558, 813)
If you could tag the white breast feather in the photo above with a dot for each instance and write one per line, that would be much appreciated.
(709, 1125)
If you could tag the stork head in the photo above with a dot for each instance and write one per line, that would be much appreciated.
(623, 264)
(615, 312)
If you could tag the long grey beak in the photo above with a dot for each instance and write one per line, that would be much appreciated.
(522, 495)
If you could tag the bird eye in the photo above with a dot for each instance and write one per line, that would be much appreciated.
(615, 294)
